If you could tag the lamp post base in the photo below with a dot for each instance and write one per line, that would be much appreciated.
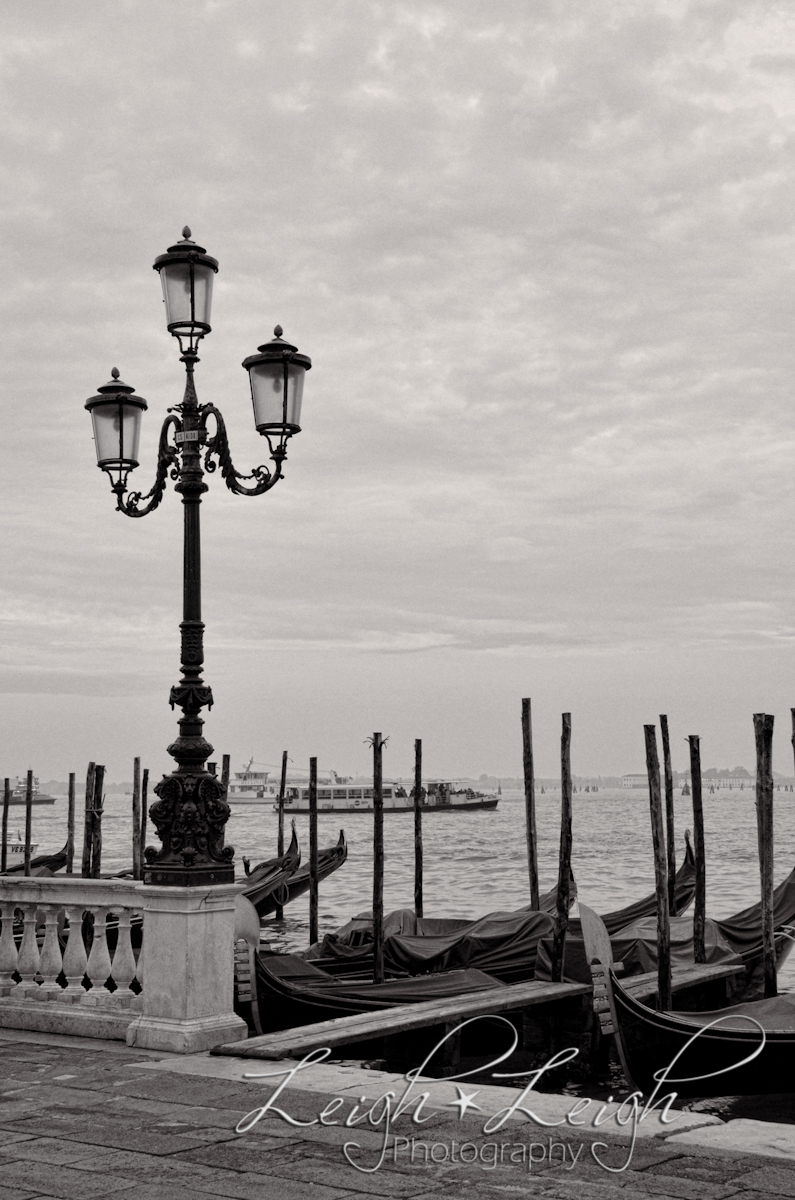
(189, 817)
(188, 989)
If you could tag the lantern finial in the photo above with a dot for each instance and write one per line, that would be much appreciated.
(186, 231)
(114, 373)
(278, 331)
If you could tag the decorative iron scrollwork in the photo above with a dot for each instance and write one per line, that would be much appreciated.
(167, 460)
(218, 446)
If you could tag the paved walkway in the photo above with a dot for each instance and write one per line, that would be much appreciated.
(83, 1119)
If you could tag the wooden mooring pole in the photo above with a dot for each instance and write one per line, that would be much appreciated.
(564, 866)
(6, 804)
(136, 819)
(763, 735)
(670, 843)
(28, 820)
(378, 860)
(313, 923)
(85, 868)
(144, 814)
(225, 773)
(660, 871)
(530, 801)
(96, 822)
(700, 907)
(418, 827)
(279, 912)
(70, 826)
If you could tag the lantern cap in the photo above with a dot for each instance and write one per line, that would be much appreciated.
(116, 384)
(116, 387)
(278, 348)
(185, 251)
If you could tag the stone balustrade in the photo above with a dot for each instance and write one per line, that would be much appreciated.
(188, 936)
(50, 962)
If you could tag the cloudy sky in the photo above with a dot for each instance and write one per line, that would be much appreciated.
(542, 257)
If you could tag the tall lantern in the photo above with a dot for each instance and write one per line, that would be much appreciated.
(116, 417)
(277, 376)
(186, 273)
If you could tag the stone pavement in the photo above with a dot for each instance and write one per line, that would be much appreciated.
(84, 1119)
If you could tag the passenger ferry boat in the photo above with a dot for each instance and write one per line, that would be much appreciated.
(339, 794)
(252, 787)
(342, 796)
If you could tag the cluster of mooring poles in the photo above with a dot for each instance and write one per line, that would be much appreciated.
(661, 802)
(662, 826)
(94, 807)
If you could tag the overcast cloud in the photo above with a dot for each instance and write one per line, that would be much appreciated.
(542, 259)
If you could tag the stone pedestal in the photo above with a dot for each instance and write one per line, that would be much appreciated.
(188, 985)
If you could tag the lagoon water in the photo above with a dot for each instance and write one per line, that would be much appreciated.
(476, 862)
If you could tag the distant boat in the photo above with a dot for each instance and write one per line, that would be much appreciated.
(685, 790)
(15, 850)
(19, 791)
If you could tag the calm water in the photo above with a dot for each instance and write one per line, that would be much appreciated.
(476, 862)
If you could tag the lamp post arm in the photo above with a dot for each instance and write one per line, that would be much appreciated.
(167, 458)
(218, 445)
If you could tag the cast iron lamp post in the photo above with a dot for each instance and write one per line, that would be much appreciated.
(191, 811)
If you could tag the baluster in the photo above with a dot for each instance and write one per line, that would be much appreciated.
(8, 950)
(139, 962)
(123, 969)
(28, 961)
(51, 958)
(98, 966)
(74, 959)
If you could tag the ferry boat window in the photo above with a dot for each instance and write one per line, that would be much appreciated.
(324, 793)
(387, 793)
(355, 793)
(340, 793)
(367, 793)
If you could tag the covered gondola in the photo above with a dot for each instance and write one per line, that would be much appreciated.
(744, 1049)
(734, 939)
(504, 944)
(290, 992)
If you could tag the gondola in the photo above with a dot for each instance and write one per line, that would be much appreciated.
(292, 992)
(281, 991)
(42, 864)
(270, 878)
(504, 944)
(745, 1049)
(737, 938)
(743, 933)
(328, 861)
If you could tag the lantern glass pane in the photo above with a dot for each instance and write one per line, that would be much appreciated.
(117, 431)
(267, 393)
(175, 278)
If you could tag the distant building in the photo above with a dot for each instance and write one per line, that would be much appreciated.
(635, 781)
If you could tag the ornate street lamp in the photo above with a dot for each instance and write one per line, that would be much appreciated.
(191, 811)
